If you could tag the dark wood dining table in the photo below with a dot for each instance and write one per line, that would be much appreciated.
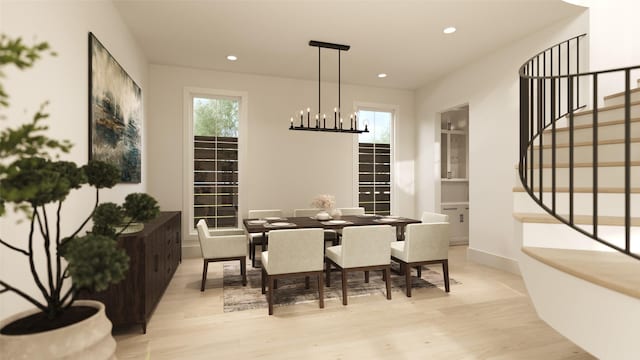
(306, 222)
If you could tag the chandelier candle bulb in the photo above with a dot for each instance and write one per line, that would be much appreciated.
(308, 112)
(335, 118)
(324, 121)
(317, 121)
(351, 121)
(301, 124)
(291, 127)
(340, 123)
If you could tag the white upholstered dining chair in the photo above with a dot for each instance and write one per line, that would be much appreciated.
(293, 253)
(329, 235)
(352, 211)
(363, 248)
(430, 217)
(257, 238)
(423, 244)
(305, 212)
(221, 248)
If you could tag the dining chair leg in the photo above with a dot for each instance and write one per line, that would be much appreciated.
(407, 279)
(328, 272)
(205, 267)
(306, 282)
(445, 270)
(275, 283)
(419, 268)
(344, 287)
(270, 290)
(321, 290)
(387, 272)
(264, 279)
(243, 270)
(366, 276)
(253, 257)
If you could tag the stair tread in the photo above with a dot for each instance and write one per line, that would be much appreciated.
(545, 218)
(585, 164)
(588, 189)
(604, 108)
(610, 269)
(587, 143)
(621, 93)
(589, 126)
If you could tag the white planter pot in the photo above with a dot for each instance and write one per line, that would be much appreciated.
(88, 339)
(323, 215)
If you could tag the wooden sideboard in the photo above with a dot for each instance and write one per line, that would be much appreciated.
(154, 253)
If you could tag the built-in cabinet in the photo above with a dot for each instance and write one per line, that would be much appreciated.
(454, 172)
(154, 254)
(459, 220)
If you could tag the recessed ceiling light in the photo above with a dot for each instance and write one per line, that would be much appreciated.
(382, 75)
(449, 30)
(232, 58)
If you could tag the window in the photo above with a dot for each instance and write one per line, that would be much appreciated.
(374, 157)
(215, 160)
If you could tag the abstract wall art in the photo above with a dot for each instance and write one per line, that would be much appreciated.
(115, 113)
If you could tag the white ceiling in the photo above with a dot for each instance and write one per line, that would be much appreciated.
(401, 38)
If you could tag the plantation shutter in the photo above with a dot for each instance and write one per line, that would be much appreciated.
(374, 188)
(216, 181)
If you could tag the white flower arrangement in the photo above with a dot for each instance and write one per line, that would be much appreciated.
(324, 201)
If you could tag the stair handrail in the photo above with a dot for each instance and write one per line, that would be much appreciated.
(557, 69)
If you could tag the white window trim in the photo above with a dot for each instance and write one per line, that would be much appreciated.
(187, 192)
(395, 113)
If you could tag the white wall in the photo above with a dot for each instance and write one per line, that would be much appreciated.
(490, 87)
(63, 81)
(285, 169)
(614, 34)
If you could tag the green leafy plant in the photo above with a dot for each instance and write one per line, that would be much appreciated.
(37, 183)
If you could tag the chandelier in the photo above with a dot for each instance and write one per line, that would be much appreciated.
(320, 122)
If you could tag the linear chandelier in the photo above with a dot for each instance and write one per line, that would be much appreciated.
(320, 123)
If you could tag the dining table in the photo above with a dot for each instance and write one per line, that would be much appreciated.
(267, 224)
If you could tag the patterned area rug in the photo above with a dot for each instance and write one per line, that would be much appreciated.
(292, 291)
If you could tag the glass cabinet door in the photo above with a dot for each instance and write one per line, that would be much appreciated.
(444, 155)
(458, 156)
(453, 155)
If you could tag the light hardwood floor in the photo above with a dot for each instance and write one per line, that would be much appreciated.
(487, 316)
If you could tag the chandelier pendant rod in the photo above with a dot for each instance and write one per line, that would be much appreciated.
(319, 80)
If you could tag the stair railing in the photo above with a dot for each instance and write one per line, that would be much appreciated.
(550, 86)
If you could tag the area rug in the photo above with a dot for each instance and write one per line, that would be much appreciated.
(292, 291)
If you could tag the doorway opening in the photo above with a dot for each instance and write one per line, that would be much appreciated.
(454, 171)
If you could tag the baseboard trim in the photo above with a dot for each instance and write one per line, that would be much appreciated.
(493, 260)
(191, 251)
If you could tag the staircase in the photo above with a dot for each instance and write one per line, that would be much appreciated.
(577, 199)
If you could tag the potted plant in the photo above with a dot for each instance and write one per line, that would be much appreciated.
(36, 182)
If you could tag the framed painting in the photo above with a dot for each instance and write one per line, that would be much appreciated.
(115, 113)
